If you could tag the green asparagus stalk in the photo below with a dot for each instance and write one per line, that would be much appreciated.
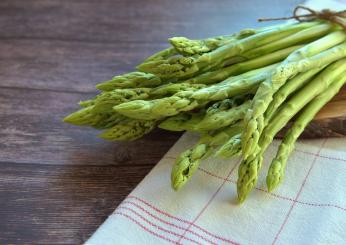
(231, 148)
(224, 105)
(188, 47)
(289, 88)
(223, 118)
(241, 84)
(188, 162)
(88, 117)
(249, 168)
(128, 130)
(161, 55)
(254, 120)
(130, 80)
(188, 121)
(182, 122)
(277, 168)
(105, 101)
(329, 41)
(159, 108)
(300, 37)
(180, 67)
(172, 88)
(233, 70)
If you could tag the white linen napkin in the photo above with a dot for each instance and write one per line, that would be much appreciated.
(308, 208)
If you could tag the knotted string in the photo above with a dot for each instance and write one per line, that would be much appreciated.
(336, 17)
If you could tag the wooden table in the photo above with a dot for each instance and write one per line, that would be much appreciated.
(58, 182)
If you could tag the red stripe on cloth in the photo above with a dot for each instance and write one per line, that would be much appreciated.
(321, 156)
(234, 182)
(158, 226)
(322, 205)
(298, 194)
(144, 227)
(179, 219)
(210, 201)
(164, 221)
(276, 195)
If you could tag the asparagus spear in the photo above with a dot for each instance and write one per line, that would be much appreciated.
(191, 121)
(241, 84)
(226, 72)
(248, 170)
(158, 108)
(289, 88)
(278, 165)
(161, 55)
(88, 117)
(182, 122)
(180, 67)
(187, 162)
(226, 104)
(318, 46)
(130, 80)
(223, 118)
(231, 148)
(294, 39)
(105, 101)
(172, 88)
(254, 120)
(188, 47)
(128, 130)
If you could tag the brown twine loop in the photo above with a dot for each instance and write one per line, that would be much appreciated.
(325, 14)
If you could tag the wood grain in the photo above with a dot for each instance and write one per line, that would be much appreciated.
(57, 204)
(67, 66)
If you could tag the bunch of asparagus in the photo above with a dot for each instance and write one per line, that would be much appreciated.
(235, 91)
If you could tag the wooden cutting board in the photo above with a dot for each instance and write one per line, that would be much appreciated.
(330, 121)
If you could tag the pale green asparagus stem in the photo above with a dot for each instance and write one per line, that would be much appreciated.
(88, 117)
(161, 55)
(221, 106)
(233, 70)
(289, 88)
(182, 122)
(231, 148)
(249, 168)
(188, 47)
(241, 84)
(172, 88)
(188, 121)
(130, 80)
(187, 162)
(128, 130)
(294, 39)
(254, 120)
(159, 108)
(105, 101)
(223, 118)
(277, 168)
(180, 67)
(318, 46)
(254, 41)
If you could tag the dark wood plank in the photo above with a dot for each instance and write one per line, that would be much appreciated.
(67, 66)
(31, 130)
(72, 45)
(45, 204)
(131, 21)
